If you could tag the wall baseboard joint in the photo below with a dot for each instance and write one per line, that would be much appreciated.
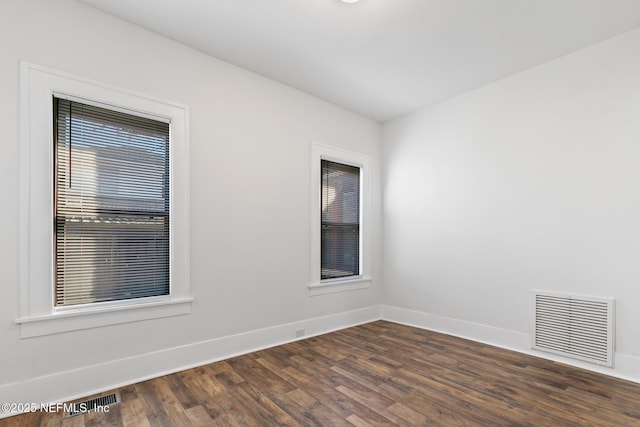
(627, 367)
(70, 385)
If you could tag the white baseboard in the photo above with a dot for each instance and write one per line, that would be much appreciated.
(89, 380)
(627, 367)
(459, 328)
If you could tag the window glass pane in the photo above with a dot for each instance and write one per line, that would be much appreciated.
(111, 205)
(340, 234)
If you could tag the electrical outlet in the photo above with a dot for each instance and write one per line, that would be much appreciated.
(299, 333)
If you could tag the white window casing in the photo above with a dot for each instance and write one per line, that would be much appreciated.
(38, 314)
(318, 286)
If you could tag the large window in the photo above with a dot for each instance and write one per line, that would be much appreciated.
(340, 237)
(104, 205)
(111, 205)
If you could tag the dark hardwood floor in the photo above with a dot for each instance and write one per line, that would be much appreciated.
(380, 373)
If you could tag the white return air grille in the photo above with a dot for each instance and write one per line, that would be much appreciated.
(574, 326)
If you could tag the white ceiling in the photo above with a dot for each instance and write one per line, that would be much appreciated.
(382, 58)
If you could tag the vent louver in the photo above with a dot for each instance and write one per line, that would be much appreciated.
(574, 326)
(85, 406)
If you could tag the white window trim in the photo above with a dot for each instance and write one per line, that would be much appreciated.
(38, 314)
(318, 286)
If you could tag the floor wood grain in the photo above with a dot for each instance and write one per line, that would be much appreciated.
(379, 373)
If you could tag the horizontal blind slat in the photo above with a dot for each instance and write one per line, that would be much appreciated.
(112, 205)
(340, 220)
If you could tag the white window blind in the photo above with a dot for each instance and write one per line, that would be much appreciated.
(111, 205)
(340, 234)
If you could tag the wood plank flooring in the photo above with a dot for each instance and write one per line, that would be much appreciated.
(379, 373)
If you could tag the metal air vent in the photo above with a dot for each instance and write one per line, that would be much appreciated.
(574, 326)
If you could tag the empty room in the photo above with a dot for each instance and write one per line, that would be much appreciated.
(320, 212)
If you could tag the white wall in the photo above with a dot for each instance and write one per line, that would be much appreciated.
(530, 182)
(250, 188)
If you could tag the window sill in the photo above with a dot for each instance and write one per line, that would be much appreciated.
(334, 286)
(73, 320)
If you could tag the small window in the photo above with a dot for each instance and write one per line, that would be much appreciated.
(104, 205)
(340, 220)
(340, 235)
(111, 205)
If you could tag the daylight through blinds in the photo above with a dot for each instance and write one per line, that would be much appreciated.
(340, 235)
(111, 205)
